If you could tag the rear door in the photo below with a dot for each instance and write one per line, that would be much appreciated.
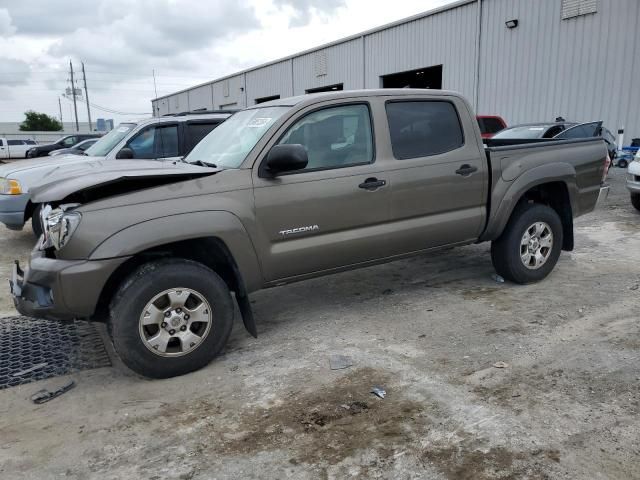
(196, 130)
(17, 148)
(4, 148)
(439, 176)
(156, 142)
(334, 213)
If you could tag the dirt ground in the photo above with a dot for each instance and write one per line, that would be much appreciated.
(428, 330)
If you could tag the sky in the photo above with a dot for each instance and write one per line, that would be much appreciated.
(186, 42)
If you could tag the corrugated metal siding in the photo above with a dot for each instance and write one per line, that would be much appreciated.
(447, 38)
(271, 80)
(342, 64)
(229, 93)
(583, 68)
(201, 97)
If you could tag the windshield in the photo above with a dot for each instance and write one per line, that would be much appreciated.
(522, 132)
(103, 146)
(229, 144)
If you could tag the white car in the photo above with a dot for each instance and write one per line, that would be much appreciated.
(633, 181)
(15, 148)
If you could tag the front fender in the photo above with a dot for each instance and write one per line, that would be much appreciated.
(506, 195)
(187, 226)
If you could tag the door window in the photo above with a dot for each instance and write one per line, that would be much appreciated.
(423, 128)
(334, 137)
(15, 142)
(155, 142)
(197, 131)
(69, 142)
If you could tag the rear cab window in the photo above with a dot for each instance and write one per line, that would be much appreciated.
(422, 128)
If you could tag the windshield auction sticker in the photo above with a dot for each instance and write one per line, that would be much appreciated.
(259, 122)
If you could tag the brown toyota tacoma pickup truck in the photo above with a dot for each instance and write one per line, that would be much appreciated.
(285, 191)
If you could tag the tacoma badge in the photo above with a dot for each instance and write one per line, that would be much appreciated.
(291, 231)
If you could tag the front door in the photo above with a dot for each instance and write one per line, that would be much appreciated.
(439, 175)
(333, 213)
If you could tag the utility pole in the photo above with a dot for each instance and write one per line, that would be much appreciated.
(60, 108)
(154, 82)
(73, 92)
(86, 96)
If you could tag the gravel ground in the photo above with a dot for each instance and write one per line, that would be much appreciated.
(430, 330)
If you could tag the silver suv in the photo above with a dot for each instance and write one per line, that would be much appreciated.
(163, 138)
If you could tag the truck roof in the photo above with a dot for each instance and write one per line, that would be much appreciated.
(375, 92)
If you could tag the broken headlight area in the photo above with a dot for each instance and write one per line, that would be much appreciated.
(58, 225)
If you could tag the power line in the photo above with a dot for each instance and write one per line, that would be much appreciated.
(111, 110)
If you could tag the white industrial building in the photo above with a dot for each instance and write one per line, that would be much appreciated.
(526, 60)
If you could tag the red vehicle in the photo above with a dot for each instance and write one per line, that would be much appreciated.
(490, 125)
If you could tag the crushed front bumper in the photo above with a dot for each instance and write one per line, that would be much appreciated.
(60, 289)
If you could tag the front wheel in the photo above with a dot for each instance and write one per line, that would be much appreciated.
(36, 221)
(170, 317)
(622, 163)
(530, 244)
(635, 201)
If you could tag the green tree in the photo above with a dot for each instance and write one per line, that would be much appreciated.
(39, 122)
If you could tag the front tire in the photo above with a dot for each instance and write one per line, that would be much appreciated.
(170, 317)
(530, 244)
(635, 201)
(36, 222)
(622, 163)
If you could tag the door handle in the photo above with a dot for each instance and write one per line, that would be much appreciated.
(466, 170)
(372, 184)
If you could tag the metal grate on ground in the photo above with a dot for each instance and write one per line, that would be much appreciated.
(33, 350)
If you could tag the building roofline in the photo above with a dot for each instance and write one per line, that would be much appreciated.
(418, 16)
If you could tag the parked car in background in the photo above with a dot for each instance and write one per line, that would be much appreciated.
(288, 190)
(532, 131)
(633, 181)
(78, 149)
(11, 148)
(67, 141)
(490, 125)
(590, 129)
(164, 138)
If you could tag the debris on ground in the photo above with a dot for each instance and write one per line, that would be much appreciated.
(497, 278)
(29, 370)
(500, 365)
(379, 392)
(634, 287)
(339, 362)
(44, 395)
(355, 407)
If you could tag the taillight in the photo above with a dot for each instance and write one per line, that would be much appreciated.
(607, 165)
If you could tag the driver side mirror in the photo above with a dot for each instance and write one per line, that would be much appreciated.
(286, 158)
(125, 154)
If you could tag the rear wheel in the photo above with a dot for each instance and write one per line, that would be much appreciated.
(635, 201)
(530, 245)
(170, 317)
(622, 163)
(36, 222)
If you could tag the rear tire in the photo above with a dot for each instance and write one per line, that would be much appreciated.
(635, 201)
(36, 222)
(530, 244)
(150, 328)
(622, 163)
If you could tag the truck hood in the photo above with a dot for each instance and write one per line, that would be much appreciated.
(106, 178)
(43, 164)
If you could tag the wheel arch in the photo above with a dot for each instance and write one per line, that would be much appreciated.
(553, 185)
(210, 251)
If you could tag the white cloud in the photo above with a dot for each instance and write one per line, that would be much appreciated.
(6, 27)
(186, 42)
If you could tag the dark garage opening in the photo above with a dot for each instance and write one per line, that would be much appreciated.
(267, 99)
(429, 77)
(328, 88)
